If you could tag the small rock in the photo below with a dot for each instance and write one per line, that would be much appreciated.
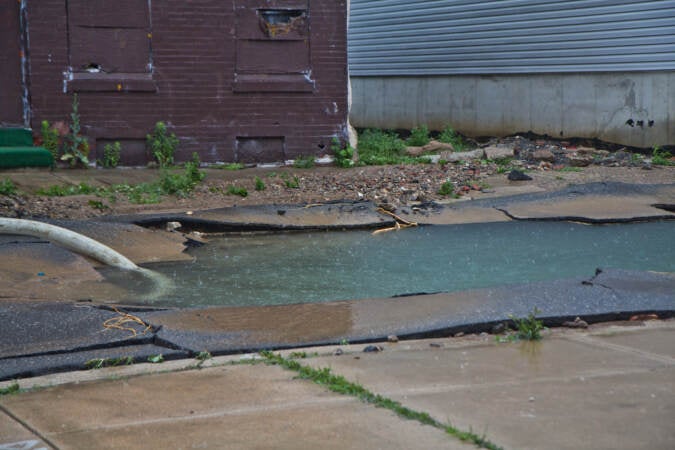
(392, 338)
(517, 175)
(435, 345)
(436, 146)
(372, 349)
(460, 334)
(338, 352)
(543, 155)
(495, 152)
(463, 156)
(576, 323)
(172, 226)
(580, 160)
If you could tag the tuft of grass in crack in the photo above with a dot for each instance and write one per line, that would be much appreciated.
(339, 384)
(98, 363)
(203, 355)
(528, 328)
(13, 388)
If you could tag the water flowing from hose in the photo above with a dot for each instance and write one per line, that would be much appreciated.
(84, 245)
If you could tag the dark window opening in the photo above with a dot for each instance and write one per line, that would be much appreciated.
(272, 47)
(279, 22)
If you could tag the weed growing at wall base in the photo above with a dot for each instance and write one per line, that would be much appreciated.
(661, 157)
(162, 144)
(344, 157)
(111, 155)
(76, 146)
(419, 136)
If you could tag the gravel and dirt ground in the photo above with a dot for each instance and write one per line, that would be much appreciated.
(552, 165)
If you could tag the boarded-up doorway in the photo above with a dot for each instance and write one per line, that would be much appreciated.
(11, 96)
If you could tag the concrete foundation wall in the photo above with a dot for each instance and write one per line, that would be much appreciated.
(628, 108)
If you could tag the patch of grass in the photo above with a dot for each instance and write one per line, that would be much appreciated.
(11, 389)
(230, 166)
(447, 189)
(570, 169)
(237, 190)
(337, 383)
(377, 147)
(303, 162)
(63, 191)
(183, 184)
(528, 328)
(98, 363)
(661, 157)
(7, 187)
(344, 156)
(450, 136)
(419, 136)
(291, 183)
(97, 204)
(259, 184)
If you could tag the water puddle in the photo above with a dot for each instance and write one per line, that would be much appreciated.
(273, 269)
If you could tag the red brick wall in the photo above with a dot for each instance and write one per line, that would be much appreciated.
(193, 57)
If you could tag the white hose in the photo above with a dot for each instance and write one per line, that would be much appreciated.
(86, 246)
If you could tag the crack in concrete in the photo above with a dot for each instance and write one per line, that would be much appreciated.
(27, 426)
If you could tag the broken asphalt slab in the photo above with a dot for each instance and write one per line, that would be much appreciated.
(41, 337)
(229, 330)
(44, 337)
(324, 216)
(599, 202)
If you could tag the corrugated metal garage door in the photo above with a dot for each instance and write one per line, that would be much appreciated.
(432, 37)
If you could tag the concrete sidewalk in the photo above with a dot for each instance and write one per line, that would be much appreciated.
(611, 386)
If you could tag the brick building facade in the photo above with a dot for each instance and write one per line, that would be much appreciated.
(235, 80)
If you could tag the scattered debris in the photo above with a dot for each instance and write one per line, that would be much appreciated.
(120, 322)
(518, 175)
(372, 349)
(644, 317)
(576, 323)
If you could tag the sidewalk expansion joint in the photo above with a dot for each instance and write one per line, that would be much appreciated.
(622, 348)
(28, 427)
